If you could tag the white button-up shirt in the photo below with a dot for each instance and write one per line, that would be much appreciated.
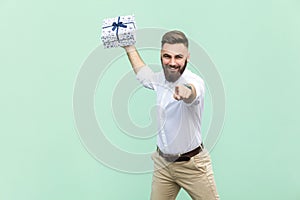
(179, 123)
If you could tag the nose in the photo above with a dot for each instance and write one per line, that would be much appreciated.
(172, 62)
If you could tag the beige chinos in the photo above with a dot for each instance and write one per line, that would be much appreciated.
(194, 176)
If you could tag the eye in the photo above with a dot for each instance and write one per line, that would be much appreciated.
(179, 56)
(166, 56)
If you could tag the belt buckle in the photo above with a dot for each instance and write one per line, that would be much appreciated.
(168, 157)
(171, 157)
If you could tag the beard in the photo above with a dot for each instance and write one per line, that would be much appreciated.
(173, 76)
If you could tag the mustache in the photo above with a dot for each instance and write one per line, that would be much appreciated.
(173, 66)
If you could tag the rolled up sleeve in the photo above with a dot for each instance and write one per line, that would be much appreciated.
(199, 85)
(147, 77)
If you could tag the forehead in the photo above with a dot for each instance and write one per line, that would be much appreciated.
(174, 49)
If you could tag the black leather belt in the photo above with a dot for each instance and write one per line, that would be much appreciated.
(180, 157)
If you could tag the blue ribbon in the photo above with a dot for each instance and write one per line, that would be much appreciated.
(117, 25)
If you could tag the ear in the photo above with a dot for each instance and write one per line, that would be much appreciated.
(161, 52)
(188, 57)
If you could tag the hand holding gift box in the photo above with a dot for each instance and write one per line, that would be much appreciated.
(118, 31)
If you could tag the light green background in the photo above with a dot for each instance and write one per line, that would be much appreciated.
(254, 44)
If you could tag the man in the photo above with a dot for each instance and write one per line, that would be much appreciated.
(181, 161)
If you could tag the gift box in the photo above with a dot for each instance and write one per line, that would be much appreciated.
(118, 31)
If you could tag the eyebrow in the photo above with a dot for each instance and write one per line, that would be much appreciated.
(168, 55)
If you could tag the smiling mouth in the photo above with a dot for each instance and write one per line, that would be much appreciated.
(173, 67)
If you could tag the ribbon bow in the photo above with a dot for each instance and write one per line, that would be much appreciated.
(117, 25)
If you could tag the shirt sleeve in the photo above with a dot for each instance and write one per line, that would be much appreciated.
(147, 77)
(200, 89)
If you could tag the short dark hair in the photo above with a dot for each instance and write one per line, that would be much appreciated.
(174, 37)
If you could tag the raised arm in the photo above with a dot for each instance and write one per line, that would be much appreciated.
(136, 61)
